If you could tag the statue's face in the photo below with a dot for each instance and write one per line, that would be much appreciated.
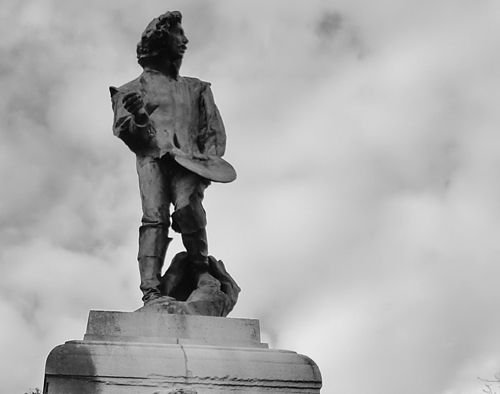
(176, 44)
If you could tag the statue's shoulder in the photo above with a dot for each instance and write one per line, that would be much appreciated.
(196, 82)
(133, 85)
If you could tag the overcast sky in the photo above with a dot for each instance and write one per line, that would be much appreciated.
(365, 222)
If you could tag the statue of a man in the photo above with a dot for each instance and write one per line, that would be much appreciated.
(173, 126)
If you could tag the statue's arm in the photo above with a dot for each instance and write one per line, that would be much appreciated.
(212, 134)
(134, 130)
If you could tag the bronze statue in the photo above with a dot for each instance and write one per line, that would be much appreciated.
(173, 126)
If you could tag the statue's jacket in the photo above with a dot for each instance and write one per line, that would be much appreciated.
(182, 116)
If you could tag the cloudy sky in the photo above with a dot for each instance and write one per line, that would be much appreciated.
(364, 226)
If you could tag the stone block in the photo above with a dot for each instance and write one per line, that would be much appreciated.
(168, 328)
(139, 353)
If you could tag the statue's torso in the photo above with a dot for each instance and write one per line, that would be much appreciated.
(173, 107)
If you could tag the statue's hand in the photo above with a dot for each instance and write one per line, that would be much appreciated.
(134, 104)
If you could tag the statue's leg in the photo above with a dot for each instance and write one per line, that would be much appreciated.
(189, 217)
(153, 233)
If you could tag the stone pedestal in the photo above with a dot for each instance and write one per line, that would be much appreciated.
(160, 353)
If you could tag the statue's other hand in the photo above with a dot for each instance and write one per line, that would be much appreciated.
(134, 104)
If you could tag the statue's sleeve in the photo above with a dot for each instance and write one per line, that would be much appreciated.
(212, 139)
(134, 135)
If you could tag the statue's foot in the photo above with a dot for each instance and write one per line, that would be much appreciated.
(165, 304)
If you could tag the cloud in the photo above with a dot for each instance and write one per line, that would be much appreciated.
(363, 225)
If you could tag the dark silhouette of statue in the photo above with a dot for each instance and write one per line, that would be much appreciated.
(173, 126)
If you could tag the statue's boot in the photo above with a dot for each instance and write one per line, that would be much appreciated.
(153, 243)
(197, 250)
(150, 271)
(196, 245)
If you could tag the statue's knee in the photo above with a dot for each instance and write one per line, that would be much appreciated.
(189, 219)
(155, 219)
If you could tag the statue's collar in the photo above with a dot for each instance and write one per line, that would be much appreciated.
(170, 75)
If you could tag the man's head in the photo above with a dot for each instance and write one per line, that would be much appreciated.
(163, 38)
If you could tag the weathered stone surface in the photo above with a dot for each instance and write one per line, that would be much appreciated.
(168, 328)
(109, 367)
(190, 354)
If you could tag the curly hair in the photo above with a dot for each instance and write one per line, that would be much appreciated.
(154, 36)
